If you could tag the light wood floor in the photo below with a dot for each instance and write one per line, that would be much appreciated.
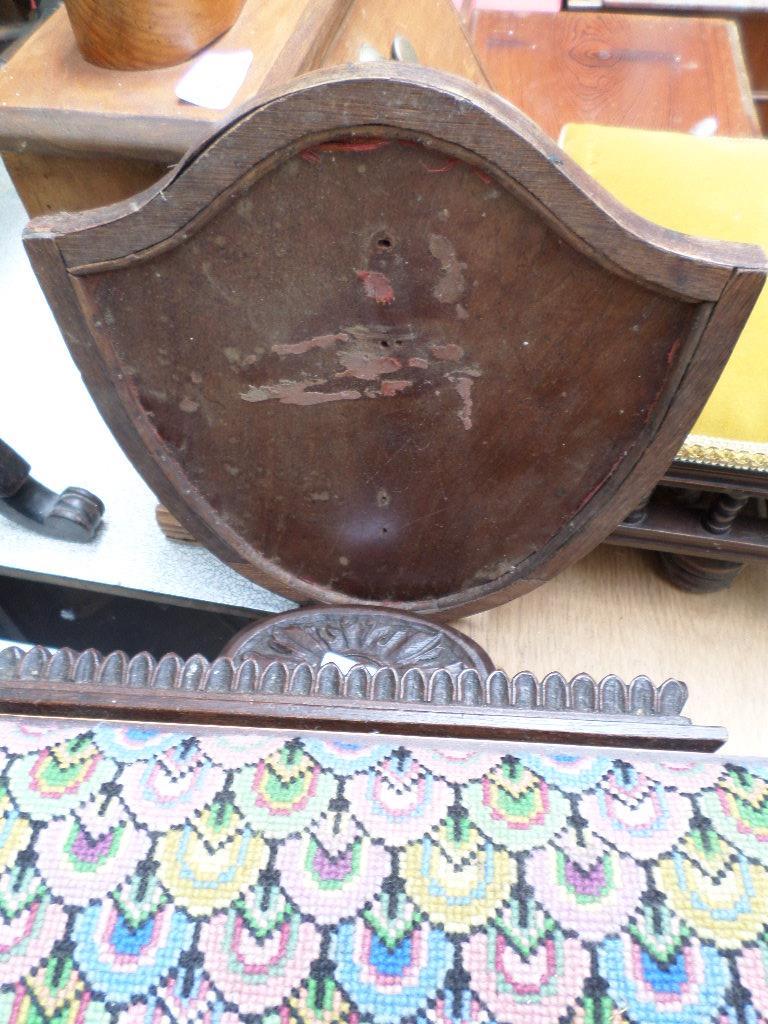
(612, 612)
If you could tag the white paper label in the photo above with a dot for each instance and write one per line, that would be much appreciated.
(214, 79)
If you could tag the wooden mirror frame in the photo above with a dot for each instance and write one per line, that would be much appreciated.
(722, 281)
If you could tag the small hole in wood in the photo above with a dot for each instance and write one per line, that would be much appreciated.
(384, 242)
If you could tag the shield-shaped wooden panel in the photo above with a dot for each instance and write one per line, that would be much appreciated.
(378, 340)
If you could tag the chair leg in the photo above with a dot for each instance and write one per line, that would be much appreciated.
(698, 575)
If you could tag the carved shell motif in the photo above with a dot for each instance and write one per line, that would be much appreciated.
(378, 639)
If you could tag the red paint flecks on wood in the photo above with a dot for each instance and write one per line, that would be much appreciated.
(392, 387)
(418, 363)
(297, 393)
(342, 146)
(450, 285)
(450, 164)
(364, 366)
(352, 145)
(442, 168)
(463, 387)
(377, 286)
(298, 348)
(588, 497)
(673, 350)
(451, 353)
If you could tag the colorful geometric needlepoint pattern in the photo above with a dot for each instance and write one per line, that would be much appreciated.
(161, 876)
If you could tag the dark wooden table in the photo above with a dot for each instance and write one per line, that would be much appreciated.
(632, 70)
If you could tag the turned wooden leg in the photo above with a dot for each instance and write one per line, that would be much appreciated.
(699, 575)
(721, 515)
(706, 575)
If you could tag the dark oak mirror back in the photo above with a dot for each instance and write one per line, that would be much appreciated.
(379, 340)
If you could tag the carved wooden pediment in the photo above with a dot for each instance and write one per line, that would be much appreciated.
(379, 340)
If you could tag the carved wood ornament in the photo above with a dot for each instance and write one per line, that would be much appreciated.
(378, 340)
(230, 691)
(344, 636)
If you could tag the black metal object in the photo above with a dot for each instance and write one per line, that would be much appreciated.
(74, 514)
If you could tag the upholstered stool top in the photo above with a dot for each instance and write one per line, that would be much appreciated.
(714, 187)
(156, 875)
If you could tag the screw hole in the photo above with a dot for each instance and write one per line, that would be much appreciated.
(384, 343)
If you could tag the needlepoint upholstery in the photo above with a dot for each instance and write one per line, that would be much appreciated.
(153, 875)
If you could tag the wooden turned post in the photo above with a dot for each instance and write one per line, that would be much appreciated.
(707, 575)
(722, 513)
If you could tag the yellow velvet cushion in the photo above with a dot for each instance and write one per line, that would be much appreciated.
(714, 188)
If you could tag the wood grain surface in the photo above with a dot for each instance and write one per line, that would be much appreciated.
(53, 100)
(611, 613)
(637, 71)
(293, 671)
(753, 27)
(139, 34)
(233, 387)
(432, 26)
(47, 183)
(75, 136)
(339, 715)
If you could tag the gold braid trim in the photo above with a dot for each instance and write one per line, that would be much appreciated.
(720, 451)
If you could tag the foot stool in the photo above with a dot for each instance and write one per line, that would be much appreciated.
(709, 516)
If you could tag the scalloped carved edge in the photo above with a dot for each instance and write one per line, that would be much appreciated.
(522, 692)
(438, 704)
